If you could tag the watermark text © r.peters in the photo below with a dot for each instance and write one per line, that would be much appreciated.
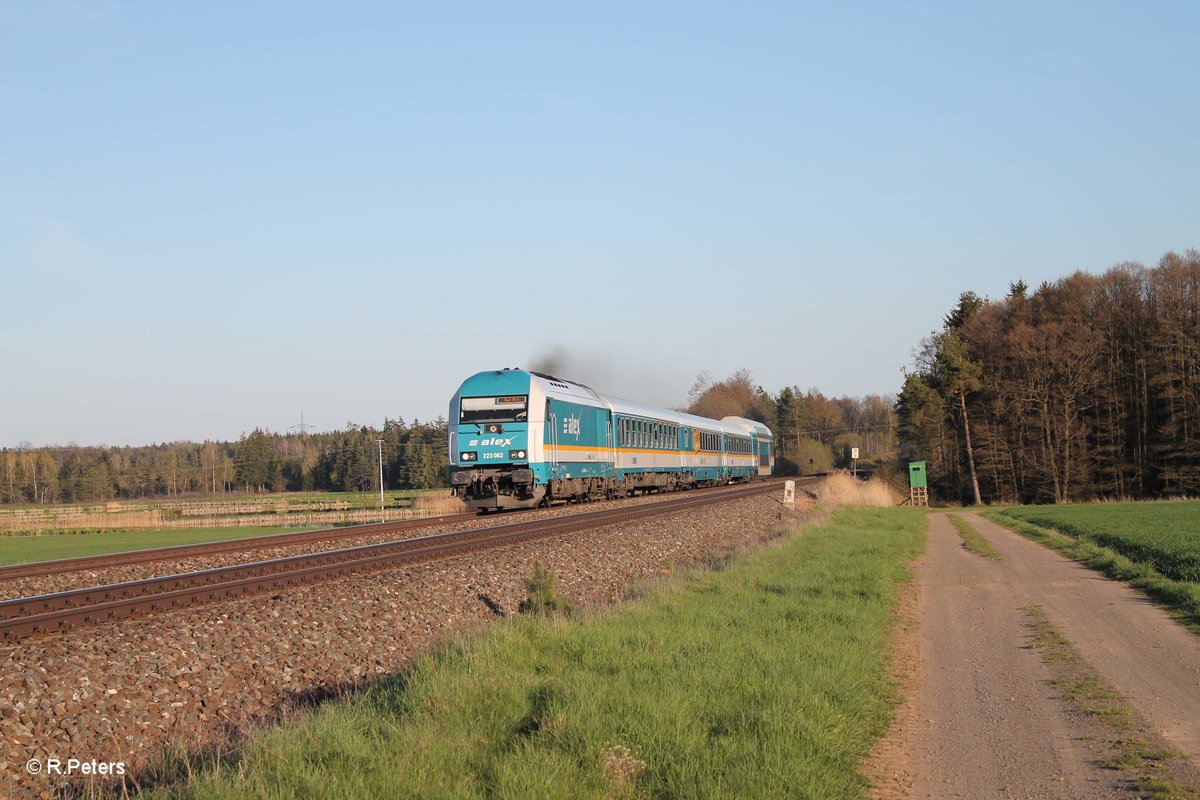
(73, 766)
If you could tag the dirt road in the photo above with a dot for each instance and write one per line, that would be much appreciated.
(982, 720)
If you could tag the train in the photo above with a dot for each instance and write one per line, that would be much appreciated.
(525, 439)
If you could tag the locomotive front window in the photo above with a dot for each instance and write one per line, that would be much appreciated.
(514, 408)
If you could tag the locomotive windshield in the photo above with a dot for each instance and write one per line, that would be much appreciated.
(514, 408)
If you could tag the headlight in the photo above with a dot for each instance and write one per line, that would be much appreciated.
(465, 456)
(516, 455)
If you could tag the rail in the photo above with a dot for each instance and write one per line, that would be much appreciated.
(62, 611)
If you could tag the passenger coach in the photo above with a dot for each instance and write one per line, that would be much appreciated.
(522, 439)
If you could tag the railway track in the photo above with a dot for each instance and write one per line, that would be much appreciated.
(63, 611)
(246, 545)
(249, 544)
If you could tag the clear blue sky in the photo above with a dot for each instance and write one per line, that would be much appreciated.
(216, 215)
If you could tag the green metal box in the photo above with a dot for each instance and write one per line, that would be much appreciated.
(916, 475)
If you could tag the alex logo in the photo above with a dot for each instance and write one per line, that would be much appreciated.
(571, 426)
(497, 442)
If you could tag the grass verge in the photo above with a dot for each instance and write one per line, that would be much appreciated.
(767, 677)
(1082, 690)
(47, 547)
(1181, 598)
(974, 541)
(1161, 533)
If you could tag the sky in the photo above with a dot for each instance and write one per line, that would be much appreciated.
(219, 216)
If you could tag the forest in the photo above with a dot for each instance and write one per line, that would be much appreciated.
(414, 457)
(1084, 388)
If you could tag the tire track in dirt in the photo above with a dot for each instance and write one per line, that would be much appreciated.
(980, 719)
(1133, 645)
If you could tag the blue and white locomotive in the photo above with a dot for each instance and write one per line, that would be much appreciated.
(522, 439)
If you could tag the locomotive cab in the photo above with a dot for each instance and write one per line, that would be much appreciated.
(490, 447)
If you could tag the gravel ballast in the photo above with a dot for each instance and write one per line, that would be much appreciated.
(126, 692)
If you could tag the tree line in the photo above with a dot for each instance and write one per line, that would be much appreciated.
(1086, 387)
(414, 457)
(813, 433)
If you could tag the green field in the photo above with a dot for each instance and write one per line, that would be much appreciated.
(768, 678)
(21, 549)
(1164, 536)
(1153, 546)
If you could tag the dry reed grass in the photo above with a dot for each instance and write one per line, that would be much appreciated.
(429, 505)
(267, 513)
(839, 489)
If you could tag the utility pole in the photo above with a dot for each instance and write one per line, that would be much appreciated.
(381, 516)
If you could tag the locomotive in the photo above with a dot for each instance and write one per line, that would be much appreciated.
(522, 439)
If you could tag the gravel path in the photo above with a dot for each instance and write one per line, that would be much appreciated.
(981, 719)
(124, 692)
(1133, 644)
